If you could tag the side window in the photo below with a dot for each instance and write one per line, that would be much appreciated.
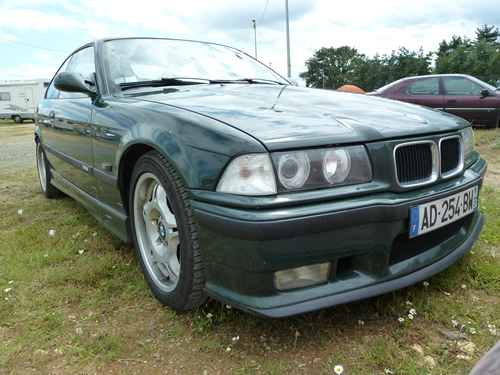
(52, 92)
(424, 86)
(81, 62)
(5, 96)
(461, 86)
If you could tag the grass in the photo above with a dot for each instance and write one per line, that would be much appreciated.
(76, 302)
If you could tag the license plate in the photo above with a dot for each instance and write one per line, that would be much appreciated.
(434, 215)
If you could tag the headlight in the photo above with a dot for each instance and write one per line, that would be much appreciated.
(312, 169)
(250, 174)
(254, 174)
(336, 165)
(293, 170)
(468, 137)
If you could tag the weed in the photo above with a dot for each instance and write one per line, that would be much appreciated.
(173, 332)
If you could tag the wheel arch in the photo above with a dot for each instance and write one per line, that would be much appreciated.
(127, 165)
(38, 134)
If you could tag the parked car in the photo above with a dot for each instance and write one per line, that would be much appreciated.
(236, 185)
(458, 94)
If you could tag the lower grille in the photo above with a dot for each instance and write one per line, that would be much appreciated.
(404, 248)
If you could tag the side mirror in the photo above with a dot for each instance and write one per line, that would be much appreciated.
(74, 82)
(485, 92)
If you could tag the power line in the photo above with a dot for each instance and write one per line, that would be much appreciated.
(264, 13)
(268, 42)
(30, 45)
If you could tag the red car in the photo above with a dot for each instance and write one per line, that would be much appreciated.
(458, 94)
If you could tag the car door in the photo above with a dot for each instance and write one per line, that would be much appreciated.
(422, 91)
(65, 120)
(464, 98)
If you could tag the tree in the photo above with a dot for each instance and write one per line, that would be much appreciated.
(332, 67)
(372, 73)
(405, 63)
(479, 58)
(456, 42)
(487, 34)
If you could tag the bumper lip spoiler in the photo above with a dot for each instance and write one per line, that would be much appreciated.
(365, 292)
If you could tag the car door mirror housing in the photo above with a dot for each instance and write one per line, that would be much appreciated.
(74, 82)
(485, 92)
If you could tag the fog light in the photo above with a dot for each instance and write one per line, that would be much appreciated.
(301, 277)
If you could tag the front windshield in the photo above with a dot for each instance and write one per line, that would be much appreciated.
(487, 85)
(139, 60)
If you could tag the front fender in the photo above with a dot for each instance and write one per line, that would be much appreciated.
(198, 147)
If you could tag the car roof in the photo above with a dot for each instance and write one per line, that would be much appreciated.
(438, 75)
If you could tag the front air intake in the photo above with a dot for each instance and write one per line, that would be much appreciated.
(416, 163)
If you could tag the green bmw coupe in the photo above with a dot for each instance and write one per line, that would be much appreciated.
(234, 184)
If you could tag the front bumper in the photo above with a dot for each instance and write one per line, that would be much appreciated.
(368, 247)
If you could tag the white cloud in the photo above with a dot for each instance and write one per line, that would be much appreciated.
(29, 71)
(369, 26)
(43, 57)
(7, 37)
(30, 19)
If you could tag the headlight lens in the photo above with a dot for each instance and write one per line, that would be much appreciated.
(293, 170)
(312, 169)
(254, 174)
(250, 174)
(336, 165)
(468, 137)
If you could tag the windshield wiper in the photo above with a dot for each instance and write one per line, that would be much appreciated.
(248, 80)
(164, 82)
(181, 81)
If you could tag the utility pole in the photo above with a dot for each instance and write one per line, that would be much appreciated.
(255, 35)
(287, 42)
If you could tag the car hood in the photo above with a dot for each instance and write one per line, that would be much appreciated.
(290, 116)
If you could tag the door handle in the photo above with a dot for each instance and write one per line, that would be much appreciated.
(452, 100)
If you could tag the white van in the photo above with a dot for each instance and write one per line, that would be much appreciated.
(19, 99)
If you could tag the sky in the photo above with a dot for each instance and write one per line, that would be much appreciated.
(37, 35)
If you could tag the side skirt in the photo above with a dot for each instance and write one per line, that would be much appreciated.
(114, 221)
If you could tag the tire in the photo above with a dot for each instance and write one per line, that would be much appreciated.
(164, 234)
(43, 167)
(17, 119)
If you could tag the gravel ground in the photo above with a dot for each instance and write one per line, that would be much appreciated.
(17, 147)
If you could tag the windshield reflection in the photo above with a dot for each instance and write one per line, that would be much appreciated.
(139, 59)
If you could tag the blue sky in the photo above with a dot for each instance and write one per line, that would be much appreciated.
(37, 35)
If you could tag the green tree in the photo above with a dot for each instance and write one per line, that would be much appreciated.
(456, 42)
(372, 73)
(381, 70)
(331, 68)
(479, 58)
(488, 34)
(405, 63)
